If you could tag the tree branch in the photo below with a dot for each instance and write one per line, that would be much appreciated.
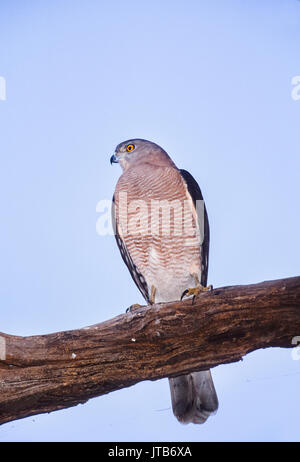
(49, 372)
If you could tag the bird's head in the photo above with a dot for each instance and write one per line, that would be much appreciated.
(134, 151)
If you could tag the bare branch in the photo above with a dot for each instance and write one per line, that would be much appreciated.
(44, 373)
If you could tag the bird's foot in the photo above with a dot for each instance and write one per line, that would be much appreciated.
(136, 306)
(133, 308)
(195, 291)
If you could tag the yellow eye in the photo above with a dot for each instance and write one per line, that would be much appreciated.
(130, 147)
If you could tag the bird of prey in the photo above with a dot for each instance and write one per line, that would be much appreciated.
(165, 262)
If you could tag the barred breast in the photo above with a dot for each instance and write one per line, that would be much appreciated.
(157, 222)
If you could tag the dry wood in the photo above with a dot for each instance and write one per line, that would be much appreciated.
(44, 373)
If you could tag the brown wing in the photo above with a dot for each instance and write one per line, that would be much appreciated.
(195, 192)
(135, 273)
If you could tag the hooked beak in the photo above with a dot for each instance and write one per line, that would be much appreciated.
(114, 159)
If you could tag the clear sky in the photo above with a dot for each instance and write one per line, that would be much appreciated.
(211, 82)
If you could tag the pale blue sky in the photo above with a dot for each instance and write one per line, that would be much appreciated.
(210, 81)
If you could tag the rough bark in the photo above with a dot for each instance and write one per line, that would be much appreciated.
(49, 372)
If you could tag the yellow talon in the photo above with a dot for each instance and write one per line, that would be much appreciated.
(133, 307)
(136, 306)
(196, 291)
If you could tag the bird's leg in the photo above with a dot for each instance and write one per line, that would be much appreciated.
(196, 290)
(152, 296)
(136, 306)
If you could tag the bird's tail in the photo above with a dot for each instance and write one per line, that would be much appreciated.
(194, 397)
